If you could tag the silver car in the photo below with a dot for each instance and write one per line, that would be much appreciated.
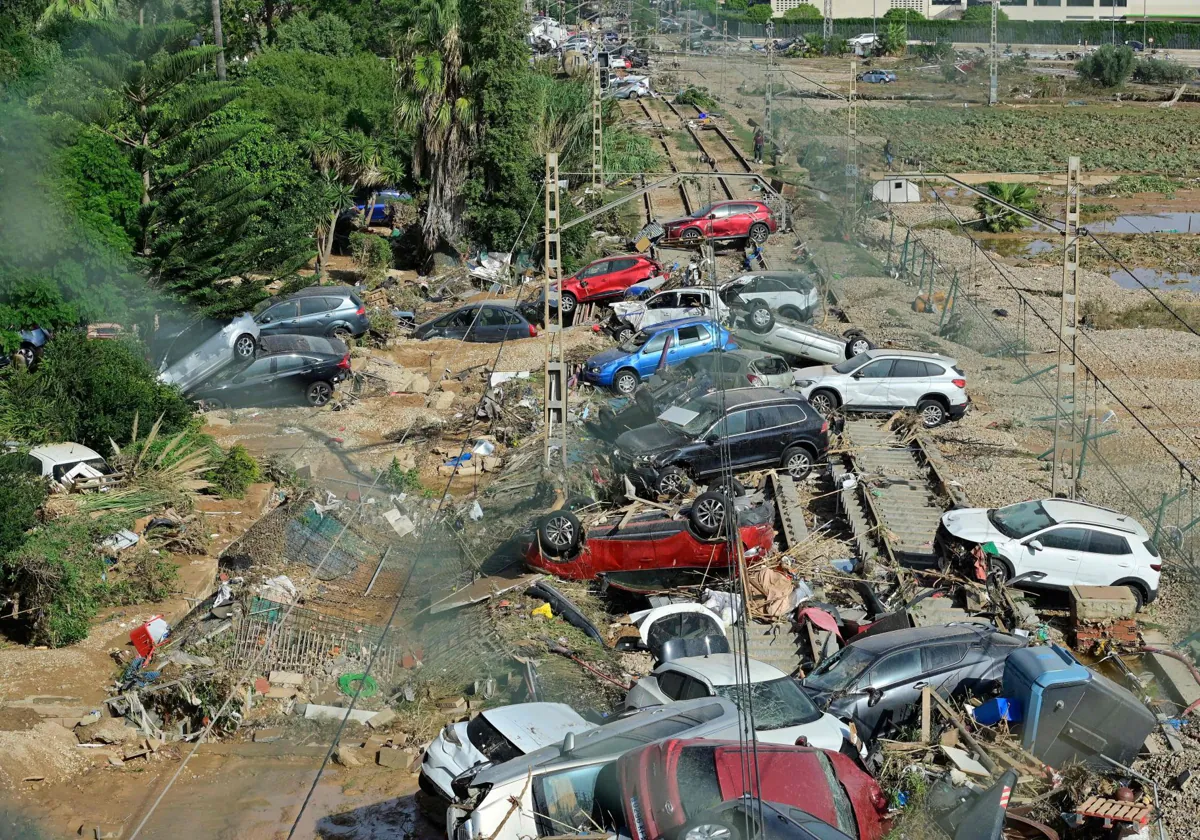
(236, 341)
(795, 341)
(793, 294)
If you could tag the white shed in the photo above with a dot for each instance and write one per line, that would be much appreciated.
(896, 191)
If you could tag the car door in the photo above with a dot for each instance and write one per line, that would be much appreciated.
(1058, 557)
(648, 356)
(689, 341)
(620, 276)
(906, 383)
(1107, 558)
(731, 221)
(315, 315)
(255, 382)
(868, 386)
(283, 317)
(592, 278)
(458, 323)
(942, 665)
(660, 308)
(772, 291)
(764, 441)
(692, 304)
(895, 675)
(730, 429)
(290, 375)
(491, 325)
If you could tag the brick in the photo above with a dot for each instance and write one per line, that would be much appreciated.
(406, 759)
(382, 719)
(286, 678)
(443, 401)
(453, 704)
(1101, 603)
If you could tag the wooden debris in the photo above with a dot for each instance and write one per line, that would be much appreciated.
(1115, 810)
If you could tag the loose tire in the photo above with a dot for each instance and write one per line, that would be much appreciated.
(823, 402)
(566, 303)
(559, 533)
(760, 318)
(244, 347)
(319, 393)
(759, 232)
(797, 462)
(857, 345)
(932, 412)
(626, 381)
(672, 481)
(708, 512)
(690, 235)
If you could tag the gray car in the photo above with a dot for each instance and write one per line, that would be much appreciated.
(796, 342)
(329, 311)
(877, 680)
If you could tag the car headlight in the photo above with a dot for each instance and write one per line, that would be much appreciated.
(802, 383)
(450, 735)
(643, 460)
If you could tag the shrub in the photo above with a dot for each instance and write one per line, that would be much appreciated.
(759, 14)
(400, 480)
(697, 96)
(935, 52)
(983, 14)
(381, 322)
(903, 15)
(803, 12)
(236, 471)
(21, 494)
(372, 254)
(1156, 71)
(1108, 66)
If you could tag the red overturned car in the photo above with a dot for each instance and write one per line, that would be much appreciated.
(673, 788)
(649, 544)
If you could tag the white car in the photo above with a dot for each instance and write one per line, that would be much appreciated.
(889, 380)
(782, 712)
(795, 341)
(629, 316)
(62, 463)
(1069, 543)
(791, 294)
(494, 736)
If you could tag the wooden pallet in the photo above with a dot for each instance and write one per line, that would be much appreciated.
(1112, 809)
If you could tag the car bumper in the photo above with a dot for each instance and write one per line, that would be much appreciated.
(600, 378)
(956, 412)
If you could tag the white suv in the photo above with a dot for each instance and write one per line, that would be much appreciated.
(888, 380)
(1067, 542)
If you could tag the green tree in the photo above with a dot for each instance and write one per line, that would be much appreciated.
(903, 15)
(894, 40)
(1108, 66)
(325, 34)
(802, 13)
(434, 104)
(996, 218)
(760, 13)
(502, 188)
(983, 14)
(79, 10)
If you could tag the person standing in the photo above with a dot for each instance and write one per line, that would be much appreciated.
(888, 154)
(760, 140)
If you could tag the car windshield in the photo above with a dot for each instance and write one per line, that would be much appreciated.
(1020, 520)
(777, 704)
(702, 212)
(838, 672)
(636, 341)
(852, 364)
(706, 415)
(696, 775)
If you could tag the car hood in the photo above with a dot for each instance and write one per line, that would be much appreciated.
(628, 307)
(826, 732)
(607, 357)
(814, 372)
(653, 438)
(973, 525)
(531, 726)
(681, 220)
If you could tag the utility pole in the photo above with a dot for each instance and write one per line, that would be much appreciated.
(725, 58)
(994, 90)
(555, 368)
(598, 85)
(852, 153)
(1067, 441)
(770, 31)
(827, 29)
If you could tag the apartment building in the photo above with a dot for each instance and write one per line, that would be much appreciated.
(1048, 10)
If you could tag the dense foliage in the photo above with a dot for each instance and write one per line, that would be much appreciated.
(996, 217)
(1108, 66)
(1157, 71)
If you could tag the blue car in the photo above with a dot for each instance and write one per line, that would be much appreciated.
(623, 367)
(379, 209)
(879, 76)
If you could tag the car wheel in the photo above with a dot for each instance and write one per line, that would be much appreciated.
(623, 333)
(709, 831)
(672, 481)
(823, 402)
(626, 381)
(341, 334)
(791, 312)
(559, 533)
(210, 404)
(760, 317)
(1138, 595)
(729, 486)
(857, 345)
(243, 348)
(932, 412)
(997, 571)
(798, 463)
(690, 235)
(759, 232)
(644, 400)
(566, 303)
(708, 513)
(319, 393)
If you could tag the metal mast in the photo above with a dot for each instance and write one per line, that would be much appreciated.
(1067, 438)
(852, 152)
(827, 30)
(994, 90)
(556, 369)
(770, 30)
(598, 130)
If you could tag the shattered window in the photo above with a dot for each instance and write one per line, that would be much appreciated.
(776, 704)
(577, 800)
(696, 775)
(1020, 520)
(488, 740)
(838, 672)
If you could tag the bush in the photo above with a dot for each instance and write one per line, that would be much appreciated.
(372, 254)
(1156, 71)
(759, 14)
(1108, 66)
(237, 471)
(697, 96)
(399, 480)
(21, 494)
(983, 14)
(935, 52)
(903, 15)
(802, 13)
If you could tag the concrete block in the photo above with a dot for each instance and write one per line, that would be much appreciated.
(1102, 603)
(419, 385)
(491, 463)
(443, 401)
(395, 759)
(382, 719)
(286, 678)
(107, 731)
(464, 470)
(347, 756)
(282, 692)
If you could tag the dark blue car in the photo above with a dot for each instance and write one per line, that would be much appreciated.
(623, 367)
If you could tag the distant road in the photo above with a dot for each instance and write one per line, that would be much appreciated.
(1189, 57)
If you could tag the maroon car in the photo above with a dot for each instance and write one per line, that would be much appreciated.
(724, 220)
(605, 279)
(666, 785)
(650, 542)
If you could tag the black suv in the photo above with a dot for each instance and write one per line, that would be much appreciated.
(756, 428)
(286, 367)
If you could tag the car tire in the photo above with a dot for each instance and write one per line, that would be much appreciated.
(672, 481)
(791, 312)
(708, 512)
(625, 381)
(857, 344)
(28, 354)
(997, 570)
(760, 318)
(624, 332)
(759, 232)
(709, 830)
(644, 400)
(690, 235)
(567, 303)
(823, 401)
(1138, 595)
(932, 412)
(729, 486)
(342, 334)
(319, 393)
(210, 404)
(559, 533)
(797, 462)
(244, 346)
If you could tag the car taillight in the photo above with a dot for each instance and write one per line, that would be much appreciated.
(802, 741)
(532, 331)
(878, 799)
(344, 364)
(362, 310)
(754, 380)
(959, 383)
(1156, 567)
(825, 427)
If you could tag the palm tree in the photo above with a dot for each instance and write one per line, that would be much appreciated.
(78, 9)
(996, 218)
(433, 104)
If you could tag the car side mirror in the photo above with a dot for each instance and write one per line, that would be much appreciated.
(858, 374)
(583, 282)
(711, 439)
(1035, 545)
(266, 319)
(711, 216)
(874, 695)
(568, 744)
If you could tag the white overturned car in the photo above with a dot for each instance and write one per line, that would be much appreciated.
(629, 316)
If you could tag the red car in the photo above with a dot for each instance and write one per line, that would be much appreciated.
(724, 220)
(648, 542)
(667, 784)
(609, 277)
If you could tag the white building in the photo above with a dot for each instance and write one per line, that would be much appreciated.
(1049, 10)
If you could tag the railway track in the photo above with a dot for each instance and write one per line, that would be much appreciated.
(689, 204)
